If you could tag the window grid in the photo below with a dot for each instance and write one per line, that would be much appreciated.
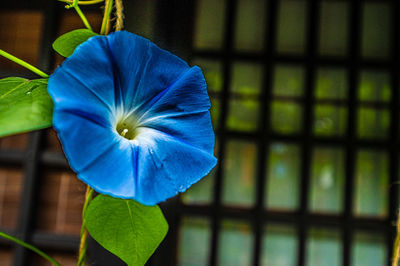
(303, 219)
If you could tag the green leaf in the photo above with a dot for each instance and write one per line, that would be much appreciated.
(25, 105)
(65, 44)
(126, 228)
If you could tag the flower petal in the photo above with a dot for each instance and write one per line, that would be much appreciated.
(193, 128)
(85, 77)
(84, 136)
(188, 94)
(144, 70)
(113, 173)
(101, 158)
(167, 165)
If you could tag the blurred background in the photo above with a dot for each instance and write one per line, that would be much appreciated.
(305, 104)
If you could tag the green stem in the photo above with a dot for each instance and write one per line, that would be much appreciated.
(23, 63)
(106, 17)
(83, 18)
(89, 2)
(22, 243)
(75, 5)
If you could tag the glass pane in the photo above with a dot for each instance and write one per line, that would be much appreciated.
(20, 33)
(372, 184)
(236, 244)
(288, 81)
(244, 104)
(215, 111)
(279, 246)
(376, 30)
(330, 120)
(283, 176)
(212, 70)
(291, 26)
(369, 250)
(374, 86)
(243, 114)
(209, 25)
(247, 78)
(250, 25)
(61, 200)
(331, 84)
(286, 117)
(10, 192)
(373, 123)
(327, 180)
(323, 248)
(202, 192)
(333, 30)
(239, 173)
(195, 240)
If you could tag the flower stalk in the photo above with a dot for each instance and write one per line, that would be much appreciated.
(78, 10)
(106, 18)
(88, 2)
(23, 63)
(84, 231)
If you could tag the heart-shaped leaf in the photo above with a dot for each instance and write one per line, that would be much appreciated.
(126, 228)
(25, 105)
(65, 44)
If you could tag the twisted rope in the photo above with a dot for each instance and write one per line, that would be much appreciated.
(119, 13)
(396, 246)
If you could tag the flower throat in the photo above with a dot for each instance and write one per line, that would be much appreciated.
(127, 129)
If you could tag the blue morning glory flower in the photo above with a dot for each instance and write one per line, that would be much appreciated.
(133, 119)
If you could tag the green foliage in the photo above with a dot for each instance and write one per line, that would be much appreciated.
(65, 45)
(126, 228)
(25, 105)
